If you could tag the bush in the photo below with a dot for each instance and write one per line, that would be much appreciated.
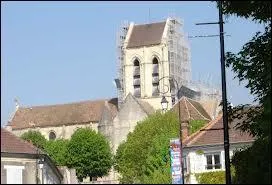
(217, 177)
(213, 177)
(35, 137)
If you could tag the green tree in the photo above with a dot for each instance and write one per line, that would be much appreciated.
(57, 150)
(252, 64)
(144, 157)
(89, 153)
(35, 137)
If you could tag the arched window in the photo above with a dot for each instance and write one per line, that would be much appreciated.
(52, 135)
(155, 77)
(136, 78)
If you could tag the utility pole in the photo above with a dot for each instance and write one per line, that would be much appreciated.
(224, 94)
(224, 90)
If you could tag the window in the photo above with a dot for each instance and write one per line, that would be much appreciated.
(52, 135)
(155, 77)
(137, 78)
(213, 161)
(184, 164)
(14, 174)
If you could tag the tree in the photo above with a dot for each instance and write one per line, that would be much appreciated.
(89, 153)
(35, 137)
(57, 150)
(253, 65)
(144, 157)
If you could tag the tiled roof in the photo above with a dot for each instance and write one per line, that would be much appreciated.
(146, 34)
(191, 110)
(207, 137)
(13, 144)
(64, 114)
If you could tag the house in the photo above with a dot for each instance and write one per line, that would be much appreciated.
(204, 150)
(23, 163)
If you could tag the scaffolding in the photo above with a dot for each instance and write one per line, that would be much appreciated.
(120, 39)
(178, 53)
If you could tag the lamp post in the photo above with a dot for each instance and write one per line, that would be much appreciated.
(164, 104)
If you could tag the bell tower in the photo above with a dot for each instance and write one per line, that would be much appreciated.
(146, 54)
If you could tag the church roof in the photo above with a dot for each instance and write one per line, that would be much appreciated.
(191, 110)
(62, 114)
(213, 133)
(146, 34)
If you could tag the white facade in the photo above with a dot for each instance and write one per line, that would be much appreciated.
(206, 158)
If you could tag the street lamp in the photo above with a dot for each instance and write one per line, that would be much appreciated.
(164, 104)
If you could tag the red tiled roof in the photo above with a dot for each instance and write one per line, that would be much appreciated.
(191, 110)
(13, 144)
(206, 137)
(56, 115)
(146, 34)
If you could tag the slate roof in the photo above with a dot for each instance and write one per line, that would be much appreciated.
(191, 109)
(13, 144)
(212, 137)
(146, 34)
(63, 114)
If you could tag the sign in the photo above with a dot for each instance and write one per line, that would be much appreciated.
(176, 168)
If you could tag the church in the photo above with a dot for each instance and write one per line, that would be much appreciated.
(153, 64)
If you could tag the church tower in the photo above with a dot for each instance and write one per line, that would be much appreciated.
(147, 55)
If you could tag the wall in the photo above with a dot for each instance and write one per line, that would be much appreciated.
(49, 176)
(60, 131)
(126, 120)
(30, 171)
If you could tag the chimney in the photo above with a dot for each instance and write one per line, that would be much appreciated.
(185, 128)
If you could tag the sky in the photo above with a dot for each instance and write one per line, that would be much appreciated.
(62, 52)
